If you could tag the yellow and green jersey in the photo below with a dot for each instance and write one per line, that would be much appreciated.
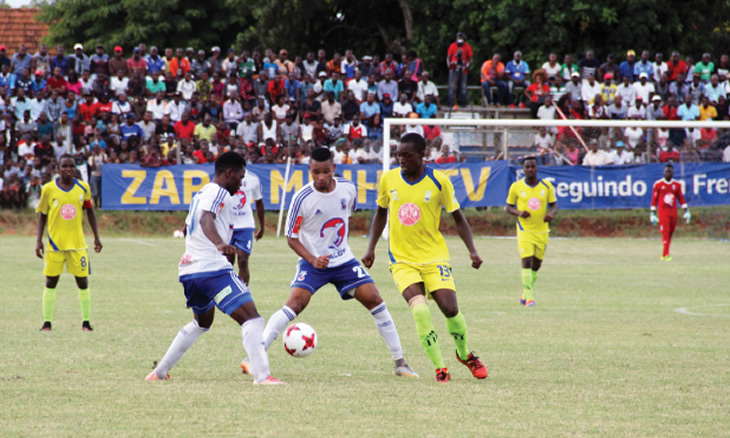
(414, 215)
(536, 200)
(64, 209)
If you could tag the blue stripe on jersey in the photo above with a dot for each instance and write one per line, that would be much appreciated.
(77, 183)
(542, 181)
(66, 191)
(194, 209)
(390, 254)
(239, 282)
(430, 174)
(296, 204)
(520, 225)
(53, 244)
(218, 200)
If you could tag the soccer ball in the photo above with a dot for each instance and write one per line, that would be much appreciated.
(300, 339)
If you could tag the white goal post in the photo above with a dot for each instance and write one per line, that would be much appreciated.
(506, 124)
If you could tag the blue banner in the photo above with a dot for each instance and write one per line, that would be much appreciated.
(131, 187)
(609, 187)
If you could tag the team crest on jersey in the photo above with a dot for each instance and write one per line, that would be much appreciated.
(534, 204)
(243, 200)
(220, 207)
(68, 212)
(394, 194)
(523, 194)
(301, 276)
(338, 225)
(343, 203)
(669, 198)
(542, 192)
(409, 214)
(428, 196)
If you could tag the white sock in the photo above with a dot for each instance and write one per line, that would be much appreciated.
(185, 339)
(253, 343)
(276, 324)
(386, 327)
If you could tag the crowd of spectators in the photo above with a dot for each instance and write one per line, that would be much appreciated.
(634, 89)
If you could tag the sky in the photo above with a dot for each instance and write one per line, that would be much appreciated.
(17, 3)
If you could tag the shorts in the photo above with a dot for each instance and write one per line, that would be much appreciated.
(434, 276)
(242, 239)
(76, 261)
(345, 277)
(532, 244)
(223, 289)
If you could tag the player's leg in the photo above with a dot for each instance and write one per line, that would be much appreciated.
(53, 268)
(367, 294)
(243, 241)
(415, 296)
(670, 233)
(665, 229)
(536, 263)
(243, 271)
(185, 338)
(78, 265)
(526, 248)
(296, 303)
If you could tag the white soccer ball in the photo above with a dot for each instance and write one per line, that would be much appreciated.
(300, 339)
(178, 234)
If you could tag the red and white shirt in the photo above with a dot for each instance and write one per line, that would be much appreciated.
(666, 195)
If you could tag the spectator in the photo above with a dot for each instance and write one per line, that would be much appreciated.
(655, 110)
(187, 86)
(714, 90)
(358, 86)
(99, 61)
(696, 89)
(366, 67)
(707, 111)
(184, 128)
(670, 155)
(117, 63)
(386, 107)
(458, 60)
(427, 109)
(119, 83)
(688, 110)
(388, 65)
(516, 72)
(619, 154)
(268, 129)
(370, 115)
(679, 88)
(595, 156)
(335, 85)
(598, 108)
(609, 66)
(627, 91)
(626, 68)
(155, 63)
(21, 61)
(675, 67)
(310, 65)
(574, 88)
(568, 68)
(179, 65)
(387, 85)
(608, 89)
(644, 66)
(590, 90)
(588, 66)
(552, 67)
(426, 87)
(637, 111)
(618, 109)
(348, 65)
(660, 68)
(408, 87)
(331, 108)
(232, 112)
(131, 129)
(644, 88)
(81, 62)
(199, 65)
(248, 130)
(537, 91)
(403, 107)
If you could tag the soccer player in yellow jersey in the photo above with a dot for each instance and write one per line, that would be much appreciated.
(61, 208)
(534, 203)
(411, 198)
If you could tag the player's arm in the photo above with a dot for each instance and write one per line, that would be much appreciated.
(94, 226)
(551, 212)
(42, 221)
(320, 262)
(654, 201)
(207, 224)
(376, 230)
(683, 203)
(512, 209)
(462, 227)
(260, 212)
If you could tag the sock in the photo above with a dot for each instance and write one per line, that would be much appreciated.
(276, 324)
(386, 327)
(534, 278)
(85, 301)
(457, 328)
(427, 333)
(184, 340)
(49, 301)
(527, 284)
(253, 343)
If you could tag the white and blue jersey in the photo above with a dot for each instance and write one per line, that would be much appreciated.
(321, 222)
(204, 271)
(249, 193)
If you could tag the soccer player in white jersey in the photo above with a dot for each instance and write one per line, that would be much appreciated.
(244, 225)
(317, 227)
(208, 277)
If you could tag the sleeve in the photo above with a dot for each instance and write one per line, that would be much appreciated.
(45, 196)
(680, 197)
(512, 195)
(655, 197)
(448, 194)
(551, 198)
(353, 189)
(256, 192)
(87, 191)
(383, 192)
(293, 218)
(211, 200)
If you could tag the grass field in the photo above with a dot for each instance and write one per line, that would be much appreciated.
(620, 344)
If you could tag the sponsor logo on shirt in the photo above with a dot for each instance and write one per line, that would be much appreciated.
(669, 198)
(338, 225)
(68, 212)
(534, 204)
(409, 214)
(242, 202)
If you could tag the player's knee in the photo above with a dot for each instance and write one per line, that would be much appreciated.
(450, 310)
(52, 282)
(298, 302)
(82, 282)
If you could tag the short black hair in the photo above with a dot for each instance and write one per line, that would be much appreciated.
(531, 157)
(229, 160)
(321, 155)
(418, 142)
(669, 165)
(64, 156)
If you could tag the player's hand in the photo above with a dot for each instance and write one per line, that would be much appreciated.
(548, 217)
(39, 249)
(525, 214)
(321, 262)
(476, 261)
(687, 215)
(97, 245)
(259, 234)
(368, 259)
(226, 249)
(653, 219)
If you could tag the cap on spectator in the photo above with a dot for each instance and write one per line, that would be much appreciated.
(190, 49)
(153, 48)
(100, 46)
(608, 76)
(643, 75)
(593, 141)
(575, 74)
(322, 74)
(639, 98)
(39, 72)
(78, 46)
(2, 47)
(630, 53)
(136, 50)
(386, 96)
(117, 48)
(619, 144)
(367, 58)
(130, 115)
(215, 49)
(201, 52)
(656, 97)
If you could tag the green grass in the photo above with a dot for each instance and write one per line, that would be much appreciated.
(604, 353)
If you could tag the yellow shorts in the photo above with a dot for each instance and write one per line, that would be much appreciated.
(434, 276)
(532, 244)
(77, 263)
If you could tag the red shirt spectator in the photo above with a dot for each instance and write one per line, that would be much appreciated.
(535, 93)
(275, 88)
(466, 54)
(87, 110)
(669, 155)
(431, 132)
(675, 69)
(449, 159)
(199, 155)
(105, 107)
(184, 129)
(179, 67)
(134, 65)
(670, 112)
(57, 84)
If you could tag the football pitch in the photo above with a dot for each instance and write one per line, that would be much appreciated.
(619, 344)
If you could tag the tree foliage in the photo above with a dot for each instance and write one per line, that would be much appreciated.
(426, 26)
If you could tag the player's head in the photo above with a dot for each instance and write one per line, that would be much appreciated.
(67, 167)
(322, 168)
(529, 166)
(668, 171)
(411, 150)
(229, 170)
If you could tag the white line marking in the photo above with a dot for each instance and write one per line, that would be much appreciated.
(141, 242)
(685, 310)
